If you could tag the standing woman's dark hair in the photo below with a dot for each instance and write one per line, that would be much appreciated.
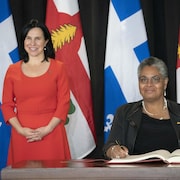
(48, 50)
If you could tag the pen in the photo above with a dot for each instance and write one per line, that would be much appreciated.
(117, 142)
(122, 147)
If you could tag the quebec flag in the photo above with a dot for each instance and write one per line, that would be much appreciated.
(126, 47)
(8, 55)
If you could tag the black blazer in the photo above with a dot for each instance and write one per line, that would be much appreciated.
(127, 121)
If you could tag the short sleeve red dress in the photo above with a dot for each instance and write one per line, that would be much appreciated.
(35, 100)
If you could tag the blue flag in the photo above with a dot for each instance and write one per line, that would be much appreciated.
(126, 47)
(8, 55)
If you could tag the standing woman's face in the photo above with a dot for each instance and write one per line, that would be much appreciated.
(151, 83)
(35, 42)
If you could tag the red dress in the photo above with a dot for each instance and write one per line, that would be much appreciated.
(35, 100)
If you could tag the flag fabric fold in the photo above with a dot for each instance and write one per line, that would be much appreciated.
(178, 70)
(8, 55)
(63, 21)
(126, 47)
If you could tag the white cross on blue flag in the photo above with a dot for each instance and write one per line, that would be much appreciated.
(126, 47)
(8, 55)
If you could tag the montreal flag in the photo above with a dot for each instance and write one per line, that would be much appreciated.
(63, 21)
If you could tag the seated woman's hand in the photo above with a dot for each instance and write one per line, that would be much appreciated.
(117, 151)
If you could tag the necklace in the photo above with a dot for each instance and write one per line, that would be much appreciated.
(151, 114)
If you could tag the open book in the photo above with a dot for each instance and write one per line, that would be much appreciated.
(158, 155)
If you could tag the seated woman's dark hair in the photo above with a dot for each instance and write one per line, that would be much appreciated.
(156, 62)
(48, 51)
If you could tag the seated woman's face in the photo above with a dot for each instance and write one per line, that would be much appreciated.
(151, 83)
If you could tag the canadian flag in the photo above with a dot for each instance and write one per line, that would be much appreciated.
(63, 21)
(178, 70)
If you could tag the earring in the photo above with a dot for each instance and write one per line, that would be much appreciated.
(165, 92)
(44, 48)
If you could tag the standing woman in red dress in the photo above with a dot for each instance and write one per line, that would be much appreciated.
(36, 98)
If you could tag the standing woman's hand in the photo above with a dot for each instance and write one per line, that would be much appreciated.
(39, 133)
(43, 131)
(25, 131)
(30, 134)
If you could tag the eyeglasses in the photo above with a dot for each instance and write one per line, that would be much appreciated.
(154, 79)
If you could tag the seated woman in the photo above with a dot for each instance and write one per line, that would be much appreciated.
(150, 124)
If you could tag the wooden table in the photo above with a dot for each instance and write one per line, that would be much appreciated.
(90, 170)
